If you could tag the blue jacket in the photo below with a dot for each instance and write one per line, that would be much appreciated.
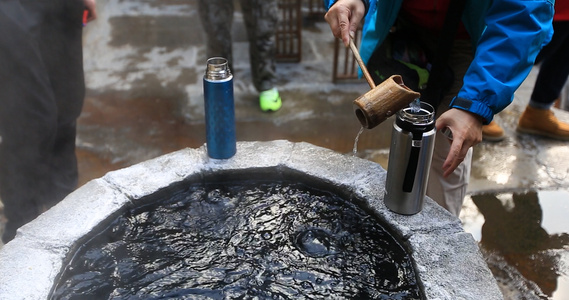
(507, 34)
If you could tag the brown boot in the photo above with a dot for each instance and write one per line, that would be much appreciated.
(492, 132)
(543, 122)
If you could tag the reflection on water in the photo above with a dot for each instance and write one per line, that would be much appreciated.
(524, 238)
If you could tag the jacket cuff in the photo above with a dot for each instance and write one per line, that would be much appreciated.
(473, 107)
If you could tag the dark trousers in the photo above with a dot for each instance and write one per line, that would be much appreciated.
(41, 95)
(261, 20)
(554, 68)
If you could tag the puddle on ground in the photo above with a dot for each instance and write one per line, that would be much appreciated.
(525, 240)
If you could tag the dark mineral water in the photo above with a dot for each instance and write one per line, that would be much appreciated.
(242, 240)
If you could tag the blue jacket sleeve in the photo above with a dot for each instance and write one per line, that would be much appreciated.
(515, 32)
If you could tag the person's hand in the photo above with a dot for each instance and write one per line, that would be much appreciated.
(466, 131)
(90, 6)
(344, 17)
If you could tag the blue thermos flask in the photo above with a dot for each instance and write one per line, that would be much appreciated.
(219, 109)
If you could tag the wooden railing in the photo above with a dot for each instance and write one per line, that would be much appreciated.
(289, 31)
(289, 37)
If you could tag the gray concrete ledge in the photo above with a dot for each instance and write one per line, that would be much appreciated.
(447, 259)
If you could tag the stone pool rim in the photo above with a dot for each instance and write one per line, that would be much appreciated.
(447, 260)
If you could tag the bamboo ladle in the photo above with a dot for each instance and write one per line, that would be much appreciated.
(383, 100)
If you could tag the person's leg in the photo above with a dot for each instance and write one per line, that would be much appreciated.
(538, 118)
(217, 17)
(261, 20)
(27, 118)
(60, 41)
(449, 192)
(554, 68)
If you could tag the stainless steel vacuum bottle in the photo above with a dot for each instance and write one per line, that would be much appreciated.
(410, 155)
(219, 109)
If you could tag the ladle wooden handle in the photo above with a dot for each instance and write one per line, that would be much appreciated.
(361, 64)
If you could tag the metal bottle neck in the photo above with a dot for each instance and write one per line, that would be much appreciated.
(217, 69)
(422, 120)
(424, 116)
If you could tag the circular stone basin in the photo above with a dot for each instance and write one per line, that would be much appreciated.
(235, 239)
(279, 220)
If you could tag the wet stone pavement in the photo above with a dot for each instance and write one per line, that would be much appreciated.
(144, 62)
